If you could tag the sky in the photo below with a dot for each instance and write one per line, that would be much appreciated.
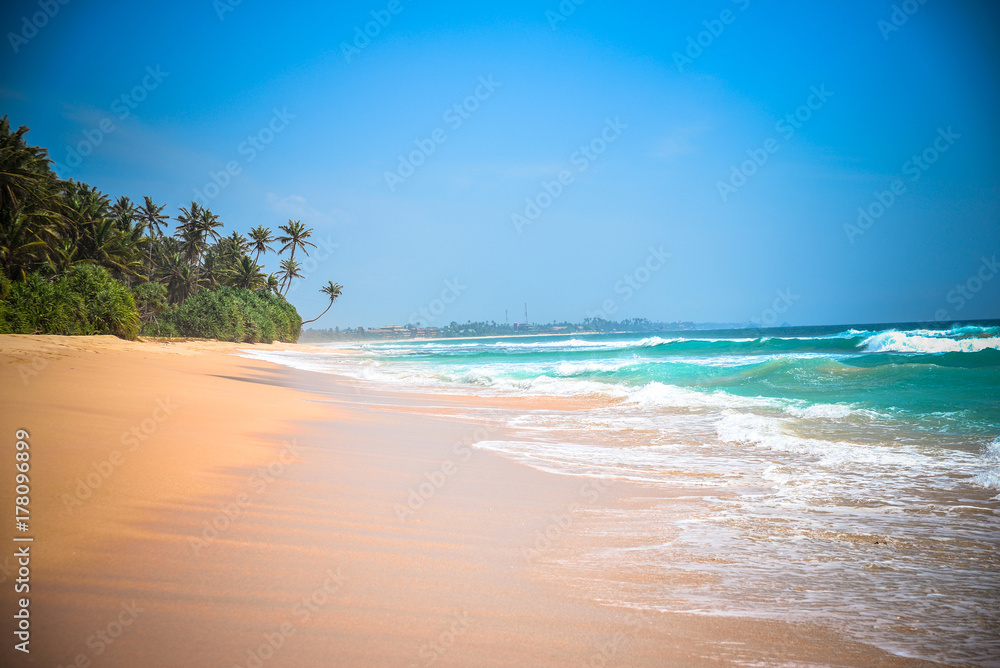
(827, 162)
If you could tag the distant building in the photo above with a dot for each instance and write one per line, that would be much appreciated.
(398, 332)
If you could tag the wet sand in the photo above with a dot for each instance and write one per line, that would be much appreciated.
(193, 508)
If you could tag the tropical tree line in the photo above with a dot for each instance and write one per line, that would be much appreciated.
(51, 229)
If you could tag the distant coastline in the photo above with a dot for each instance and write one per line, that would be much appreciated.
(484, 330)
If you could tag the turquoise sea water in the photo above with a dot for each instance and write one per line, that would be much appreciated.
(849, 475)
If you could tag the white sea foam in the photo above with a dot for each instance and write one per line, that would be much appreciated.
(821, 411)
(990, 477)
(563, 379)
(320, 362)
(565, 369)
(656, 394)
(903, 342)
(771, 433)
(586, 459)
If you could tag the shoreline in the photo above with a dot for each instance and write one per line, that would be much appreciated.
(268, 509)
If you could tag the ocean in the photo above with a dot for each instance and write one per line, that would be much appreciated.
(851, 474)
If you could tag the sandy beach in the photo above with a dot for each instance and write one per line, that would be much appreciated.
(190, 507)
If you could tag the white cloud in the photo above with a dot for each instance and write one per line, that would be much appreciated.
(680, 141)
(296, 207)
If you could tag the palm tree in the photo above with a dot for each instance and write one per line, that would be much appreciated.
(187, 231)
(25, 174)
(213, 271)
(207, 224)
(95, 234)
(132, 241)
(235, 246)
(273, 284)
(191, 243)
(196, 227)
(290, 269)
(154, 220)
(123, 212)
(31, 206)
(180, 278)
(248, 274)
(186, 217)
(295, 237)
(261, 239)
(152, 216)
(81, 207)
(20, 247)
(331, 290)
(105, 244)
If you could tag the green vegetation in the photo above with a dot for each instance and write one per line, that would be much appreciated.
(73, 262)
(85, 300)
(231, 314)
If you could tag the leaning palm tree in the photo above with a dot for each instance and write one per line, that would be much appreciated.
(261, 240)
(331, 290)
(290, 270)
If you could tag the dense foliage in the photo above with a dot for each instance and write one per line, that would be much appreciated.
(73, 262)
(231, 314)
(85, 300)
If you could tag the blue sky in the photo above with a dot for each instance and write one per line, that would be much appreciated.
(686, 193)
